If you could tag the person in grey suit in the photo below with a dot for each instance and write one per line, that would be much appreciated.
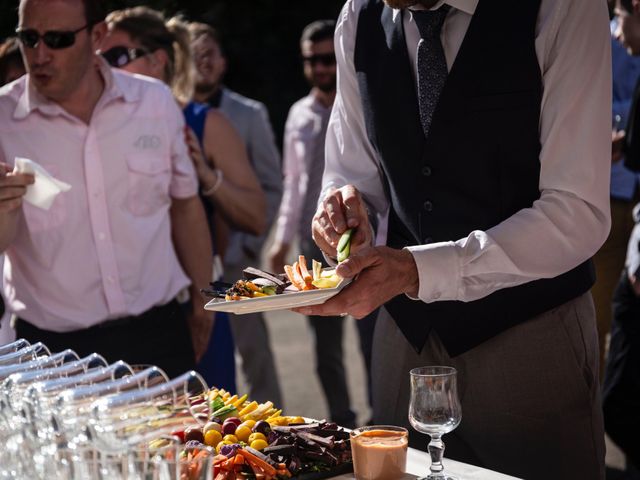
(251, 120)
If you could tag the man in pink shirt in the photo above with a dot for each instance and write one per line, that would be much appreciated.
(102, 268)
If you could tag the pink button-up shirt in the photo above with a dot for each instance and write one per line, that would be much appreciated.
(104, 249)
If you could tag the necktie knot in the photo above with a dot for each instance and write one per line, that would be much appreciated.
(429, 22)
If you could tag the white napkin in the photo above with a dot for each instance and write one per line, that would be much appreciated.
(45, 189)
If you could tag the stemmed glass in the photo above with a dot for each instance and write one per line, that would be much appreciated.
(435, 410)
(13, 346)
(118, 422)
(25, 354)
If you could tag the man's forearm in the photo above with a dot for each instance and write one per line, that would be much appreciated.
(192, 242)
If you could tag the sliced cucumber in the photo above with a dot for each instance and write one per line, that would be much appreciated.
(344, 245)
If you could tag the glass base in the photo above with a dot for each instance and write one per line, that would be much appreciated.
(438, 476)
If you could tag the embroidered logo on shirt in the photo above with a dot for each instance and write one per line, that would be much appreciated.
(147, 141)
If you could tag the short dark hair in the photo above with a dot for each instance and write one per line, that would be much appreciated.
(318, 31)
(94, 11)
(626, 4)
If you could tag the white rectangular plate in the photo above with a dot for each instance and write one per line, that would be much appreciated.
(284, 301)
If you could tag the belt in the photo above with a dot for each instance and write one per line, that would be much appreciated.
(151, 315)
(159, 311)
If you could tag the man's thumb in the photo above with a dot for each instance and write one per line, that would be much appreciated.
(357, 262)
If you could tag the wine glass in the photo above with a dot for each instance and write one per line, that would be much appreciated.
(118, 422)
(25, 354)
(71, 407)
(13, 346)
(435, 410)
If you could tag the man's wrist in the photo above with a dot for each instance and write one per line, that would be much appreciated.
(412, 278)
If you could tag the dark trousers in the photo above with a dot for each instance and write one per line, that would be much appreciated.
(621, 388)
(159, 336)
(329, 355)
(530, 396)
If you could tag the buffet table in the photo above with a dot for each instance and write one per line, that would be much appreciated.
(418, 466)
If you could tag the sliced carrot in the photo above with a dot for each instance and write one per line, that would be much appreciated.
(297, 274)
(253, 460)
(290, 271)
(306, 276)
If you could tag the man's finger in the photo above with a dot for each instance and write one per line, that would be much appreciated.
(10, 205)
(357, 262)
(324, 235)
(9, 193)
(354, 208)
(17, 180)
(334, 210)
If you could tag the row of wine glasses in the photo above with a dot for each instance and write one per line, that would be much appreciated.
(66, 417)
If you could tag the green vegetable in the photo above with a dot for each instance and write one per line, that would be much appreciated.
(225, 412)
(268, 290)
(216, 404)
(344, 245)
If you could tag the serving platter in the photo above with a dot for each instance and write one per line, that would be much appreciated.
(284, 301)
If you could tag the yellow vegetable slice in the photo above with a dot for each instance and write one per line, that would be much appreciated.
(331, 282)
(248, 409)
(238, 403)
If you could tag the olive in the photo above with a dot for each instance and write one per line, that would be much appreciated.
(262, 427)
(229, 428)
(194, 433)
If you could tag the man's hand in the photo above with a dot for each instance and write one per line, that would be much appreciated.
(341, 209)
(12, 190)
(382, 273)
(200, 326)
(617, 145)
(13, 186)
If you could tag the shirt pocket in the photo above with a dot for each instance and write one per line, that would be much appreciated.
(149, 179)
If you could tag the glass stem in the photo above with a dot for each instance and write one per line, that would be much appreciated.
(436, 451)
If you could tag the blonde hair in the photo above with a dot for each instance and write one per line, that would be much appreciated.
(149, 28)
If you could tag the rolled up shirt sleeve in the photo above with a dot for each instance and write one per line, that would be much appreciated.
(571, 220)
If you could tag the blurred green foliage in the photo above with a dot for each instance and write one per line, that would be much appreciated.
(260, 39)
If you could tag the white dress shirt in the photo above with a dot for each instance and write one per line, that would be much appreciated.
(571, 220)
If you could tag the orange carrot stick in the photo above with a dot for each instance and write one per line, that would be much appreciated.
(302, 263)
(253, 460)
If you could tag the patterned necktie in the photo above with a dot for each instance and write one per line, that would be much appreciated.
(431, 62)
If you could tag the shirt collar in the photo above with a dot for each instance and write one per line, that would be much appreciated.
(114, 88)
(466, 6)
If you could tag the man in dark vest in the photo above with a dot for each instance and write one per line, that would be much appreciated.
(473, 135)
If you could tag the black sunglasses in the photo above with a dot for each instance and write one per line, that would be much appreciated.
(326, 59)
(119, 56)
(52, 39)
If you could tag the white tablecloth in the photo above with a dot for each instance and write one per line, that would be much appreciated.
(418, 465)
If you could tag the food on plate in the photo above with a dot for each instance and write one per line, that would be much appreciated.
(258, 283)
(257, 441)
(302, 280)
